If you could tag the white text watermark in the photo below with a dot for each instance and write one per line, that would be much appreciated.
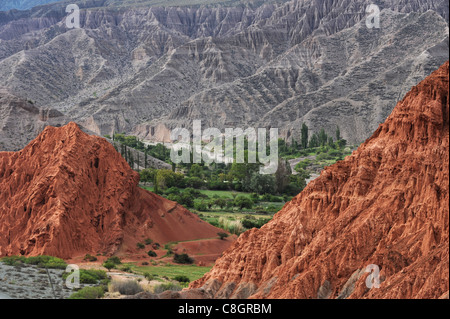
(220, 147)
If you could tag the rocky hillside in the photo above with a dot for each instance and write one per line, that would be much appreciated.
(146, 70)
(387, 204)
(21, 121)
(68, 193)
(6, 5)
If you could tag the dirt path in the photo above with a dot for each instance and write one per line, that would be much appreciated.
(295, 161)
(312, 168)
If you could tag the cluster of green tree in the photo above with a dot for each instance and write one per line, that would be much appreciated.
(128, 154)
(240, 202)
(161, 152)
(112, 262)
(253, 222)
(325, 155)
(129, 142)
(306, 142)
(193, 198)
(158, 151)
(241, 177)
(90, 276)
(183, 259)
(187, 197)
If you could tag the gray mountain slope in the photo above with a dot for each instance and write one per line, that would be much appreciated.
(21, 121)
(6, 5)
(147, 70)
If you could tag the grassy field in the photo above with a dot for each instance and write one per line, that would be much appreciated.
(276, 206)
(193, 272)
(233, 219)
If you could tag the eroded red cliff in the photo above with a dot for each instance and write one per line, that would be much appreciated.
(387, 204)
(68, 193)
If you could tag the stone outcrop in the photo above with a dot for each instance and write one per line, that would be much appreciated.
(386, 205)
(68, 193)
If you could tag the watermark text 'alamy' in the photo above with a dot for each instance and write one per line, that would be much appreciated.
(220, 146)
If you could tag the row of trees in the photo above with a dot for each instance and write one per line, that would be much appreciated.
(323, 139)
(161, 152)
(158, 151)
(217, 176)
(318, 139)
(129, 145)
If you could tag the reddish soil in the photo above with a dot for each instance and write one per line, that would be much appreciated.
(68, 193)
(205, 252)
(387, 204)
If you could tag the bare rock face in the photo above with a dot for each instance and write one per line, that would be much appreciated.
(68, 193)
(387, 204)
(148, 69)
(21, 121)
(22, 4)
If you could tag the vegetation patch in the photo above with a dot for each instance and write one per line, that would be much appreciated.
(166, 286)
(125, 287)
(193, 272)
(89, 257)
(90, 276)
(89, 293)
(39, 261)
(183, 259)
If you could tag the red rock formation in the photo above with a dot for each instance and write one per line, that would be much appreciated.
(68, 193)
(387, 204)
